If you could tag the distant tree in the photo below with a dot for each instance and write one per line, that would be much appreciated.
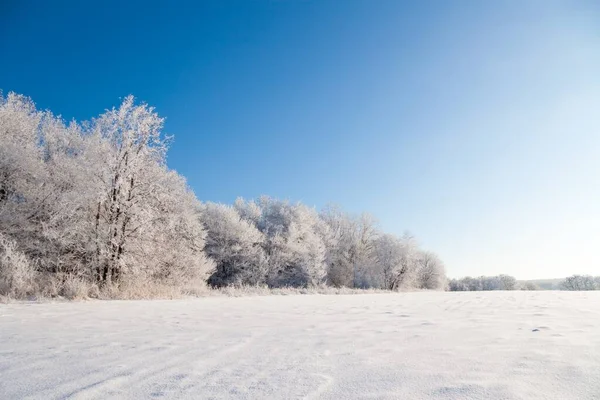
(490, 283)
(473, 284)
(457, 285)
(530, 286)
(500, 282)
(507, 282)
(579, 282)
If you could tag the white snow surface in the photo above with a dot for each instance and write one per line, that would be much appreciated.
(426, 345)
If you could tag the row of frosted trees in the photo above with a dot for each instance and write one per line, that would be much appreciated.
(507, 282)
(278, 243)
(484, 283)
(581, 282)
(94, 202)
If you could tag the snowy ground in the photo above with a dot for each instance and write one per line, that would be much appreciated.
(495, 345)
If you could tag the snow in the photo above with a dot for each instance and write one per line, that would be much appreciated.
(427, 345)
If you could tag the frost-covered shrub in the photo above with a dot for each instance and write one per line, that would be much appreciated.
(17, 275)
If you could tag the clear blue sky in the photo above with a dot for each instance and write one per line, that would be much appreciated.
(473, 124)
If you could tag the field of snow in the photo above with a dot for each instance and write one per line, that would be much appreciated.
(494, 345)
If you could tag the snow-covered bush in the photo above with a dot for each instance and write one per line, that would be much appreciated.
(17, 275)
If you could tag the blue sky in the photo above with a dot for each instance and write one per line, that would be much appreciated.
(475, 125)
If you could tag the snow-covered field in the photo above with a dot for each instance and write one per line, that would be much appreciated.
(494, 345)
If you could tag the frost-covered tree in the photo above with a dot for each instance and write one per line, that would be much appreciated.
(430, 272)
(69, 182)
(507, 282)
(235, 245)
(141, 206)
(22, 170)
(363, 257)
(170, 248)
(579, 282)
(340, 266)
(500, 282)
(530, 286)
(490, 283)
(396, 259)
(472, 284)
(293, 244)
(129, 147)
(457, 285)
(42, 185)
(350, 257)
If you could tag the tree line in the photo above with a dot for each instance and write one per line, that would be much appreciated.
(507, 282)
(581, 282)
(95, 203)
(500, 282)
